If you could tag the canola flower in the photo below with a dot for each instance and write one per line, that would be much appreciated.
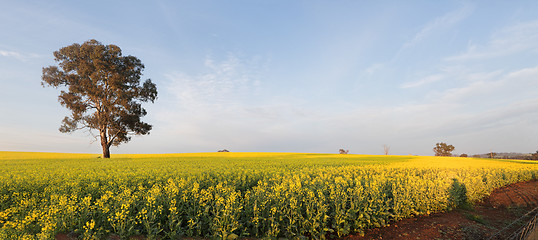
(231, 195)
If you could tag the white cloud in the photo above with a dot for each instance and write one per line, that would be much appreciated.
(423, 81)
(221, 107)
(17, 55)
(448, 20)
(519, 38)
(10, 54)
(374, 68)
(493, 86)
(524, 74)
(225, 84)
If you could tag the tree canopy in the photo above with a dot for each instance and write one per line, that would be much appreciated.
(102, 90)
(443, 149)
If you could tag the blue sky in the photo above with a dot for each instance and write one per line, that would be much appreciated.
(289, 76)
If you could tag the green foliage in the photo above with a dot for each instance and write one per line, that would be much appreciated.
(231, 196)
(458, 193)
(477, 218)
(443, 149)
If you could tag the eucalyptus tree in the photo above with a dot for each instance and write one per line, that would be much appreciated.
(102, 88)
(443, 149)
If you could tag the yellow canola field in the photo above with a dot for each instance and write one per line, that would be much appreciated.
(230, 195)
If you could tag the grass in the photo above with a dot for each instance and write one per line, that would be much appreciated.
(477, 218)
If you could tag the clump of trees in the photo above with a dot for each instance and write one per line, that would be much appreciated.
(223, 150)
(102, 89)
(342, 151)
(443, 149)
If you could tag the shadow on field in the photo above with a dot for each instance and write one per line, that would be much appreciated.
(458, 193)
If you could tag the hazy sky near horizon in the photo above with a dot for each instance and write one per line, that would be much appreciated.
(289, 76)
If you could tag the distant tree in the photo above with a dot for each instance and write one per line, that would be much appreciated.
(464, 155)
(476, 156)
(443, 149)
(342, 151)
(534, 156)
(223, 150)
(102, 90)
(492, 155)
(386, 149)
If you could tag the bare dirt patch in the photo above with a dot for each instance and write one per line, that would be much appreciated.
(488, 219)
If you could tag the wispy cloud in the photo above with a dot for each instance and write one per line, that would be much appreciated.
(510, 40)
(10, 54)
(524, 74)
(213, 106)
(223, 84)
(17, 55)
(448, 20)
(431, 28)
(423, 81)
(484, 90)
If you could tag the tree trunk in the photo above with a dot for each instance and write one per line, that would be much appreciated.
(106, 151)
(105, 145)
